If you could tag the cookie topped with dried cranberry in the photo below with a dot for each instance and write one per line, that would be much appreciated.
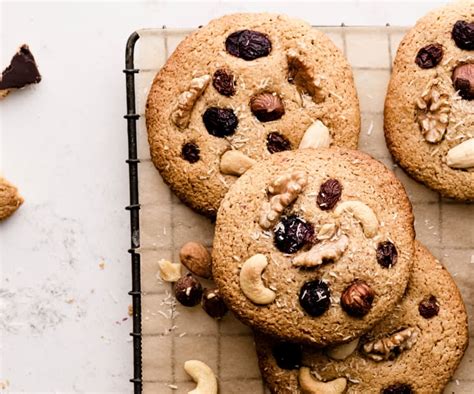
(415, 349)
(314, 245)
(240, 89)
(429, 108)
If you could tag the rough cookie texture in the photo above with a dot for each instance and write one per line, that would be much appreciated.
(239, 236)
(425, 114)
(201, 184)
(10, 200)
(426, 365)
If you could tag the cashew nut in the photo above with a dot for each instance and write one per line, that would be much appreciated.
(326, 231)
(316, 136)
(234, 162)
(310, 385)
(322, 253)
(341, 352)
(169, 272)
(251, 281)
(203, 376)
(462, 155)
(363, 213)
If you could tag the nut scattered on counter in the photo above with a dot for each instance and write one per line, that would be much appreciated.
(188, 290)
(196, 258)
(206, 382)
(213, 304)
(22, 71)
(10, 200)
(169, 272)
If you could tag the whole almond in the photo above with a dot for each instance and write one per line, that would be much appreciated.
(196, 258)
(267, 106)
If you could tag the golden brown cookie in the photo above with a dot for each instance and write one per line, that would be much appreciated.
(10, 200)
(314, 245)
(239, 89)
(429, 108)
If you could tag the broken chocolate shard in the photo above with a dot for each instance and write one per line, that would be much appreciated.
(22, 70)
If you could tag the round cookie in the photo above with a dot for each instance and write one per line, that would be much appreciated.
(425, 338)
(249, 84)
(429, 108)
(332, 232)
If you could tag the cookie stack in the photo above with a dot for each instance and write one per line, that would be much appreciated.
(254, 119)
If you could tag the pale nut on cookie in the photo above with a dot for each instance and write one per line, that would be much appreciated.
(321, 253)
(181, 112)
(462, 155)
(362, 213)
(316, 136)
(341, 352)
(326, 231)
(206, 382)
(310, 385)
(234, 162)
(169, 272)
(251, 282)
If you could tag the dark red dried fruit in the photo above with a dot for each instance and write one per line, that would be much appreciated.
(315, 297)
(277, 143)
(387, 254)
(220, 122)
(267, 106)
(463, 35)
(398, 388)
(190, 152)
(213, 303)
(188, 290)
(329, 194)
(224, 82)
(357, 298)
(429, 307)
(248, 44)
(429, 56)
(292, 233)
(463, 80)
(287, 355)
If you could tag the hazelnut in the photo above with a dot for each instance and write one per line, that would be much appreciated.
(357, 299)
(196, 258)
(188, 290)
(463, 80)
(213, 303)
(267, 106)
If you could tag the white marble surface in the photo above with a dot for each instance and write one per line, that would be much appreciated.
(63, 143)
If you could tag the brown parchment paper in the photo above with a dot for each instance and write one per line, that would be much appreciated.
(172, 333)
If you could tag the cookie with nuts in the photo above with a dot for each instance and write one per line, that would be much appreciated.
(416, 349)
(429, 108)
(239, 90)
(314, 245)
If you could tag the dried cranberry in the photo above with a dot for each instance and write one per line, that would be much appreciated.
(287, 355)
(220, 122)
(398, 388)
(190, 152)
(429, 307)
(386, 254)
(248, 44)
(188, 290)
(463, 35)
(224, 82)
(315, 297)
(429, 56)
(329, 194)
(292, 233)
(277, 143)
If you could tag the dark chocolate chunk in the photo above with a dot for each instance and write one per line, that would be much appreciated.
(22, 70)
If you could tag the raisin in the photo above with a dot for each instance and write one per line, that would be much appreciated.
(292, 233)
(386, 254)
(220, 122)
(329, 194)
(190, 152)
(277, 143)
(429, 307)
(357, 299)
(188, 290)
(248, 44)
(315, 297)
(287, 355)
(429, 56)
(398, 388)
(463, 35)
(224, 82)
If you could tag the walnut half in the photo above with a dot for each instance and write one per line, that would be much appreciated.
(432, 112)
(387, 348)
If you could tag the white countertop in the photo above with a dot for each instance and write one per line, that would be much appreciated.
(64, 269)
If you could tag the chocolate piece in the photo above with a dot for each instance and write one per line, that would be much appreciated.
(22, 70)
